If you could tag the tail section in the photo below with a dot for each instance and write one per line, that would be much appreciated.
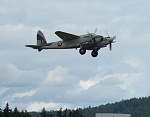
(40, 38)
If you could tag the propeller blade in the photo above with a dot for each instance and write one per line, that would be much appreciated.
(110, 46)
(107, 33)
(95, 30)
(115, 37)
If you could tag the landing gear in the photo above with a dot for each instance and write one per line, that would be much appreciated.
(82, 51)
(39, 50)
(94, 53)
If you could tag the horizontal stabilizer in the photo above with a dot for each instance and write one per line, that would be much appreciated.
(33, 46)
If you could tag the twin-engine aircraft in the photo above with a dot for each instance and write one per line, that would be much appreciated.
(89, 41)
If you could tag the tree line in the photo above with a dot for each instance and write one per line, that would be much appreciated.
(137, 107)
(60, 113)
(7, 112)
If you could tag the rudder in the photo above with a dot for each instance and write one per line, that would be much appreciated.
(40, 38)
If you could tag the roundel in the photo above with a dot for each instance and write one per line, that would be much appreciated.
(59, 43)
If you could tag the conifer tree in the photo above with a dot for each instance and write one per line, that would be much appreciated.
(7, 112)
(1, 113)
(16, 113)
(43, 113)
(59, 113)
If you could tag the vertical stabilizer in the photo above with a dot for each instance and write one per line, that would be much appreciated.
(40, 38)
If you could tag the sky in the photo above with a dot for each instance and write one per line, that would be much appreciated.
(57, 79)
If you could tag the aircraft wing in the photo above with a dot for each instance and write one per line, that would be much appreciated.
(66, 36)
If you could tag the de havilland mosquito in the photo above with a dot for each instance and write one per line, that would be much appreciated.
(89, 41)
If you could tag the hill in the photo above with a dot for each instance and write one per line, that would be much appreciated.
(137, 107)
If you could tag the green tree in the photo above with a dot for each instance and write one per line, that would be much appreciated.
(16, 113)
(78, 113)
(1, 113)
(22, 114)
(51, 113)
(27, 114)
(71, 114)
(44, 113)
(7, 112)
(65, 113)
(59, 113)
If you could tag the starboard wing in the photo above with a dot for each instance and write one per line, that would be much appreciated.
(66, 36)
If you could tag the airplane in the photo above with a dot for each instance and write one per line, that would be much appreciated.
(89, 41)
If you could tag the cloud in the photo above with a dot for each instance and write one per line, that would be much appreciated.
(3, 10)
(37, 106)
(111, 80)
(3, 90)
(13, 27)
(87, 84)
(134, 62)
(12, 71)
(63, 78)
(25, 94)
(58, 76)
(17, 77)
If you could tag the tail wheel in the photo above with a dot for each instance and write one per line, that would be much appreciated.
(82, 51)
(39, 50)
(94, 53)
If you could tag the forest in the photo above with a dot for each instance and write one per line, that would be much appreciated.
(137, 107)
(7, 112)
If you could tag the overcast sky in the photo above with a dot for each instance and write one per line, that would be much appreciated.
(63, 78)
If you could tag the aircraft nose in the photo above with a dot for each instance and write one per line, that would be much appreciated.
(111, 39)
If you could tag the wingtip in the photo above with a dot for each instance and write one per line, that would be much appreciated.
(29, 45)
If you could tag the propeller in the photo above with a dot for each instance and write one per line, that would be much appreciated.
(110, 46)
(92, 36)
(107, 33)
(94, 31)
(110, 42)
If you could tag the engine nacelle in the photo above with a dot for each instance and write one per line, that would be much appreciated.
(98, 39)
(97, 36)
